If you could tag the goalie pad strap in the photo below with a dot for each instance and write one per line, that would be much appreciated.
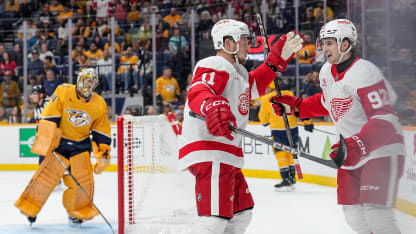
(41, 185)
(47, 138)
(74, 200)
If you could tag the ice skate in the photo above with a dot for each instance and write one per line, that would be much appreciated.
(74, 222)
(284, 186)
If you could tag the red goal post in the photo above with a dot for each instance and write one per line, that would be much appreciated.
(153, 197)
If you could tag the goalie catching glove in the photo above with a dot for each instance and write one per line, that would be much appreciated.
(102, 155)
(218, 116)
(284, 50)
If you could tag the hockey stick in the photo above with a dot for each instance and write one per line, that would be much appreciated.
(329, 163)
(82, 189)
(320, 130)
(276, 84)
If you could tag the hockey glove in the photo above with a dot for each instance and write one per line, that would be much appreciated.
(102, 155)
(218, 116)
(284, 50)
(285, 99)
(308, 125)
(356, 150)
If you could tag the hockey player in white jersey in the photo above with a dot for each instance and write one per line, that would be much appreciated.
(360, 102)
(220, 92)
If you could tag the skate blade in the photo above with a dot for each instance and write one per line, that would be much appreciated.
(285, 189)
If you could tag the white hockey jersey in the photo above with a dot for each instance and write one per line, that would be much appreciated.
(217, 76)
(360, 101)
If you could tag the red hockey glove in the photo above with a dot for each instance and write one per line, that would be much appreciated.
(284, 50)
(285, 99)
(218, 116)
(356, 150)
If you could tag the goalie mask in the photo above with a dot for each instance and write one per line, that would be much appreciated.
(87, 81)
(339, 29)
(228, 27)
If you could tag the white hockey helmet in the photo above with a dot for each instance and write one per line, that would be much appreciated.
(87, 81)
(339, 29)
(228, 27)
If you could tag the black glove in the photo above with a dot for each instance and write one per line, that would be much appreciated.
(308, 125)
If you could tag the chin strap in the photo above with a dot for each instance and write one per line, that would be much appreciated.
(342, 53)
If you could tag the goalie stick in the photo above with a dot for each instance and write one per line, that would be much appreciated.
(82, 189)
(336, 163)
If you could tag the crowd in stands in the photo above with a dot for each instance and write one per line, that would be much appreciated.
(47, 44)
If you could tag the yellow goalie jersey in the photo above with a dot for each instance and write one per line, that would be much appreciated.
(267, 115)
(78, 119)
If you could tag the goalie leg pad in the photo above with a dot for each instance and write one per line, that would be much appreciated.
(209, 225)
(75, 202)
(239, 223)
(47, 138)
(41, 185)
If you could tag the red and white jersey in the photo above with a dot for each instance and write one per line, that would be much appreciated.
(217, 76)
(103, 7)
(360, 101)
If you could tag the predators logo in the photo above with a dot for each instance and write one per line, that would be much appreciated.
(78, 118)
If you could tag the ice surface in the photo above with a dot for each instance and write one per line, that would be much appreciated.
(309, 209)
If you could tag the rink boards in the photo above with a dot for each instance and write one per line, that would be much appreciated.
(259, 159)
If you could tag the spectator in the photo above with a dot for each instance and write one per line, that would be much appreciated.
(308, 21)
(99, 41)
(44, 51)
(46, 13)
(146, 70)
(32, 83)
(77, 52)
(173, 17)
(124, 70)
(65, 14)
(107, 45)
(7, 64)
(145, 36)
(3, 116)
(12, 8)
(133, 16)
(83, 62)
(307, 53)
(178, 43)
(315, 88)
(56, 8)
(121, 13)
(17, 55)
(104, 71)
(94, 53)
(50, 83)
(9, 91)
(48, 65)
(167, 88)
(62, 30)
(162, 37)
(103, 8)
(35, 66)
(81, 29)
(15, 115)
(318, 12)
(276, 21)
(34, 40)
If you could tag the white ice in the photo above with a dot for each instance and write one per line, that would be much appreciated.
(309, 209)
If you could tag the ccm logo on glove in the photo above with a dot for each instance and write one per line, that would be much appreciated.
(216, 103)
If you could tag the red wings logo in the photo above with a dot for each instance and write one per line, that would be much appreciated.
(340, 106)
(244, 105)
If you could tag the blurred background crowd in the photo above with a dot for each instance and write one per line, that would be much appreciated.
(147, 48)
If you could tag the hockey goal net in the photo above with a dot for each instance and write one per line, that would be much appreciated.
(153, 196)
